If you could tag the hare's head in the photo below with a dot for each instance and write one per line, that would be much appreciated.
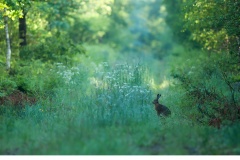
(155, 101)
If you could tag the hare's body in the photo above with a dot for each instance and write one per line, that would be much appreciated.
(161, 109)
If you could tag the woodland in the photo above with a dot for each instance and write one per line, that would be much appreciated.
(82, 77)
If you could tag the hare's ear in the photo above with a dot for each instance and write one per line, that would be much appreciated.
(158, 96)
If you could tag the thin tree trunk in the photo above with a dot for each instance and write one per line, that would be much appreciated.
(8, 55)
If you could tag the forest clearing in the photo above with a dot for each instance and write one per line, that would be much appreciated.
(119, 77)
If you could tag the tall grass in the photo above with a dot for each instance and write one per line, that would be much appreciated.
(106, 109)
(84, 114)
(118, 94)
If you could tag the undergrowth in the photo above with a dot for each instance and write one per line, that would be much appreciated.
(105, 108)
(211, 87)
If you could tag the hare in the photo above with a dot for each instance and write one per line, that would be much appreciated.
(161, 109)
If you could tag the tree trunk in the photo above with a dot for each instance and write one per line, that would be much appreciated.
(8, 55)
(23, 30)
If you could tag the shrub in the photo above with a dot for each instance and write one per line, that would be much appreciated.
(53, 49)
(209, 84)
(7, 86)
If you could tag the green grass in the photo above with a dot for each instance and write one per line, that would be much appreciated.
(105, 108)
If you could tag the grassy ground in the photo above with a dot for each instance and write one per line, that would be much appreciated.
(104, 107)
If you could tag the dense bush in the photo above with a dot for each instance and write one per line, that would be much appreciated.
(32, 78)
(53, 49)
(211, 86)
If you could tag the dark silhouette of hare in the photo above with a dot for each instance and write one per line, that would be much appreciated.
(161, 109)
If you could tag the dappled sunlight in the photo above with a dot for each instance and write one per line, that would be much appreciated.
(96, 8)
(163, 85)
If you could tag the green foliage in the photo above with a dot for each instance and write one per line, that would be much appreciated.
(158, 38)
(92, 108)
(175, 20)
(212, 24)
(34, 78)
(101, 107)
(61, 10)
(13, 10)
(100, 102)
(53, 49)
(7, 86)
(119, 21)
(209, 86)
(7, 83)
